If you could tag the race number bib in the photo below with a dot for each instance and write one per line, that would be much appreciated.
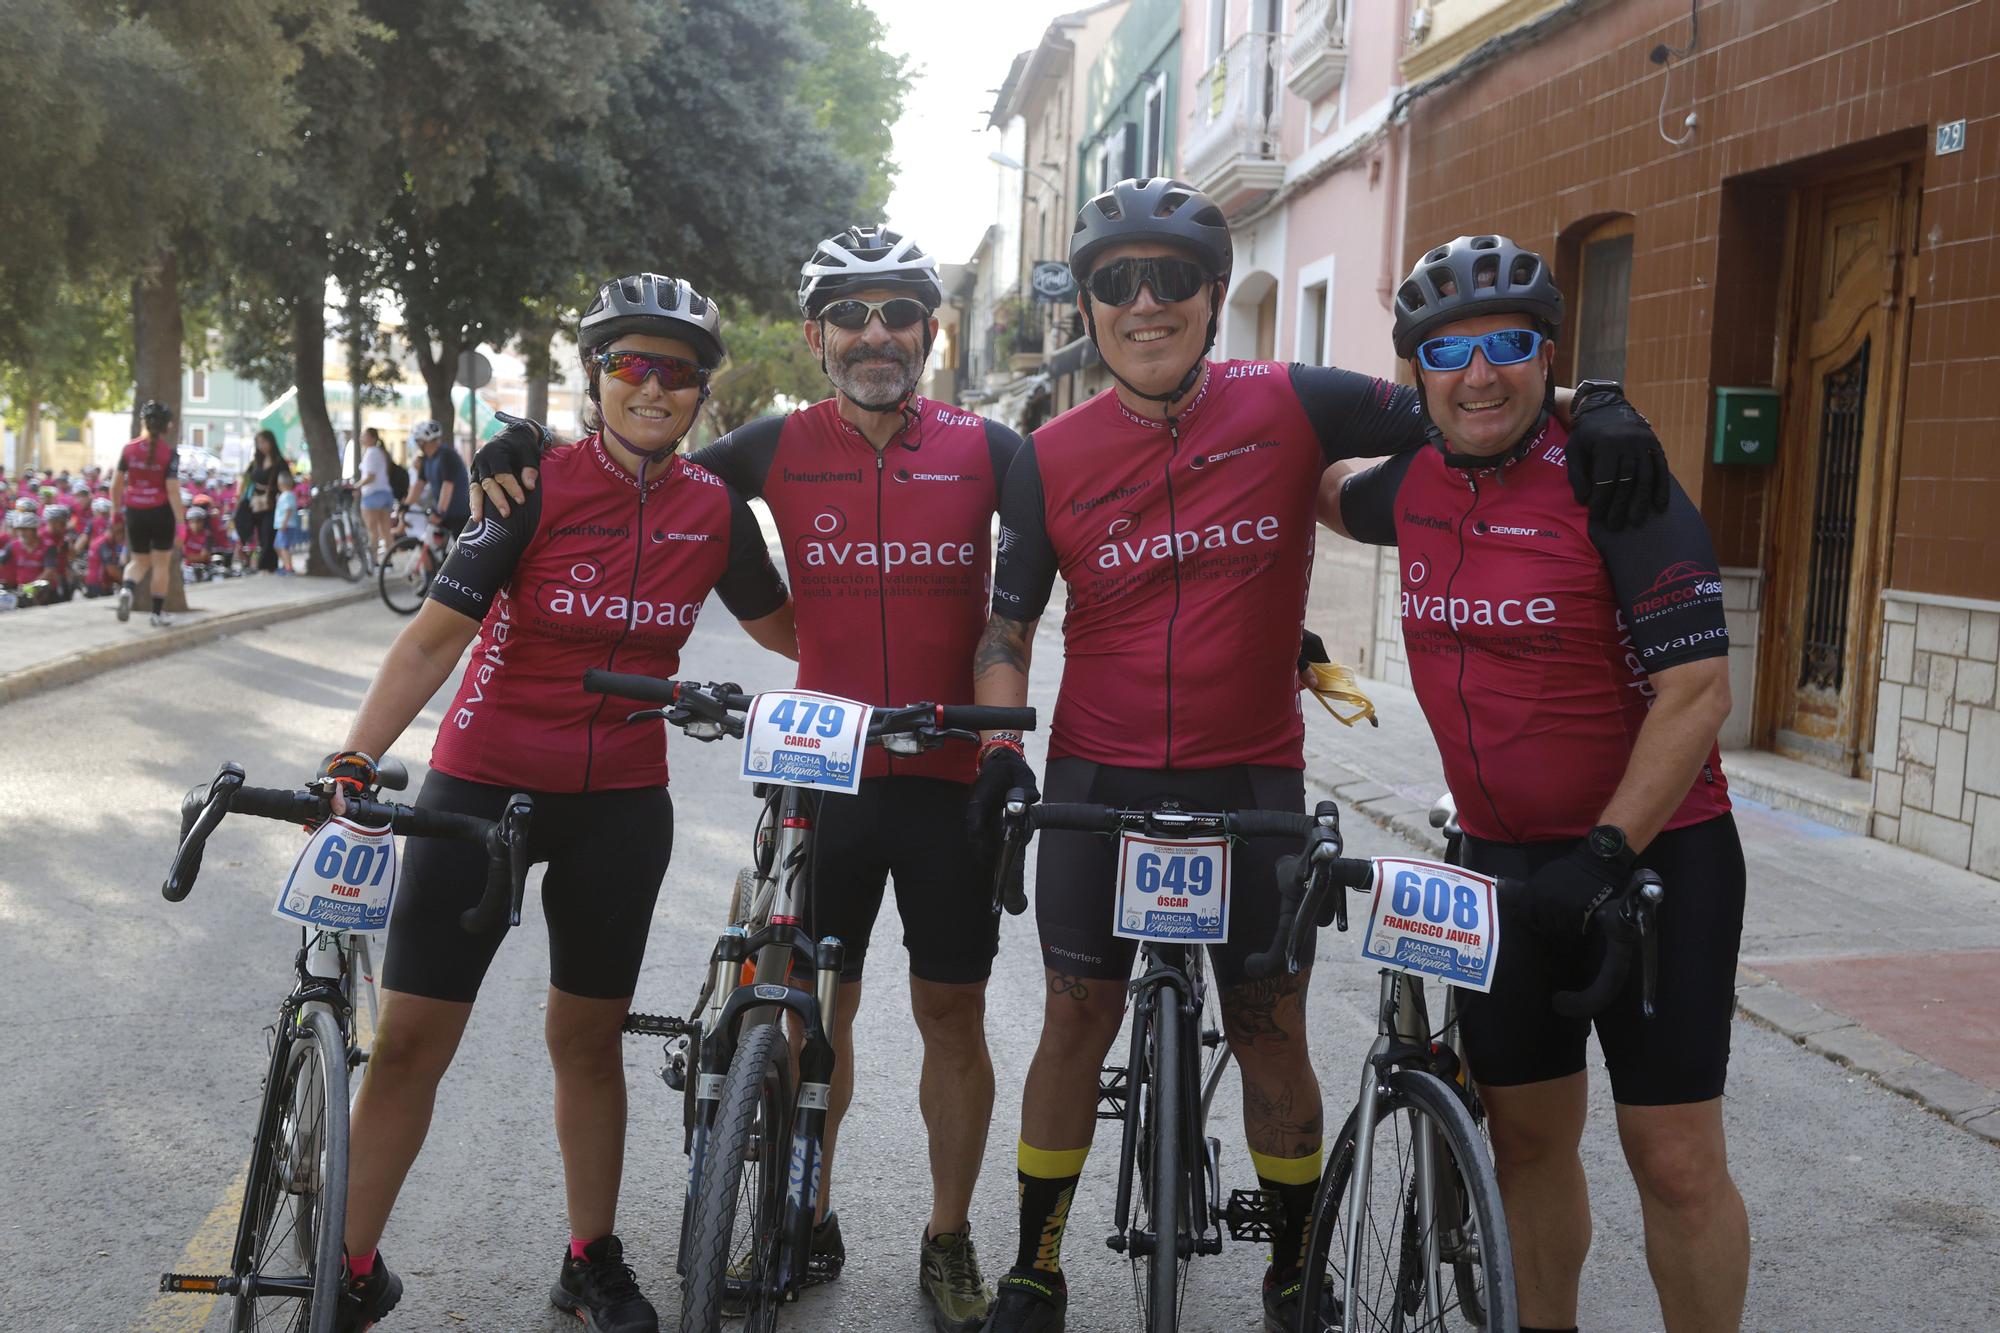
(1433, 920)
(797, 738)
(344, 879)
(1173, 889)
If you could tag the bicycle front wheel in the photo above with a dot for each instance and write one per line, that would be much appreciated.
(733, 1255)
(1159, 1268)
(406, 575)
(341, 548)
(1416, 1256)
(295, 1201)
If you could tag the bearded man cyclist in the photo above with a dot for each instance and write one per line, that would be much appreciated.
(607, 565)
(1178, 507)
(1579, 737)
(884, 501)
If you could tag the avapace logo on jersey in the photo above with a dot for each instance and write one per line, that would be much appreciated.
(1203, 461)
(1681, 585)
(829, 546)
(583, 596)
(1127, 547)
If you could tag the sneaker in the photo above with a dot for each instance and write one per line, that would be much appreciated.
(366, 1299)
(1029, 1303)
(600, 1290)
(1282, 1291)
(949, 1278)
(161, 620)
(124, 605)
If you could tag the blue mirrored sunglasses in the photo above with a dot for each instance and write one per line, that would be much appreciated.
(1503, 347)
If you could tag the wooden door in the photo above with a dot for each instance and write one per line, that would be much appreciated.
(1830, 529)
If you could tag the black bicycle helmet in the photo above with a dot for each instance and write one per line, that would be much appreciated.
(1151, 209)
(655, 304)
(865, 258)
(1472, 276)
(156, 414)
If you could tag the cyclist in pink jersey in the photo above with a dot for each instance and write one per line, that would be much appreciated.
(147, 490)
(608, 567)
(1178, 508)
(1576, 678)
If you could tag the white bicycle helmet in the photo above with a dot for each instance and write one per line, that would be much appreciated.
(56, 513)
(864, 258)
(425, 431)
(21, 518)
(101, 505)
(196, 514)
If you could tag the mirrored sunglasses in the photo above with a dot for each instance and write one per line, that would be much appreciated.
(1502, 347)
(675, 372)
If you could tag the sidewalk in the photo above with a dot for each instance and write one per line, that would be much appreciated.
(43, 648)
(1874, 956)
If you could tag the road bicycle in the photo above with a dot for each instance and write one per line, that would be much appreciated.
(343, 538)
(285, 1268)
(752, 1134)
(1170, 1205)
(413, 562)
(1407, 1232)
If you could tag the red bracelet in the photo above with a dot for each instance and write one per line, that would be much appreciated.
(998, 743)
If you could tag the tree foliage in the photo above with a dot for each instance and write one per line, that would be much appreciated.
(769, 365)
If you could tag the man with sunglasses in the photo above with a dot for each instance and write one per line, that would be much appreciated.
(1576, 678)
(884, 502)
(1179, 510)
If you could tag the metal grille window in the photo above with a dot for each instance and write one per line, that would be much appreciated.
(1830, 563)
(1600, 321)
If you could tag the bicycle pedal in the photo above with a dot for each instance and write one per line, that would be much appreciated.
(654, 1025)
(1113, 1088)
(674, 1073)
(1252, 1216)
(193, 1284)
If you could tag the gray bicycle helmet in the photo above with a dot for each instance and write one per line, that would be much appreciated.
(865, 258)
(1153, 209)
(1472, 276)
(655, 304)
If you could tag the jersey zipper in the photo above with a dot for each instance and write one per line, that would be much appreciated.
(1174, 544)
(631, 618)
(882, 594)
(1471, 748)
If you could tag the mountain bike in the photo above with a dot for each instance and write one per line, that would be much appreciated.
(1408, 1233)
(1169, 1205)
(412, 562)
(753, 1140)
(285, 1266)
(343, 538)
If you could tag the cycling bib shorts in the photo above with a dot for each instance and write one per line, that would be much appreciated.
(911, 830)
(149, 530)
(606, 853)
(1076, 872)
(1681, 1054)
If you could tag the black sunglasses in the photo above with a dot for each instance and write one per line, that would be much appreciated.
(898, 312)
(1171, 279)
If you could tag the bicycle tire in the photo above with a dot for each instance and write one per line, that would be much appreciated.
(746, 1153)
(1159, 1270)
(301, 1155)
(340, 549)
(405, 578)
(1416, 1101)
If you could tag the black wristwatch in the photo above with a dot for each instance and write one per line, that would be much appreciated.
(1585, 390)
(1607, 843)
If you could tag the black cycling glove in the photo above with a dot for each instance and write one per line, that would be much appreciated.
(513, 450)
(1312, 650)
(1003, 770)
(1616, 464)
(1563, 894)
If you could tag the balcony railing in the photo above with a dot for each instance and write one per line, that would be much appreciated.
(1233, 151)
(1316, 60)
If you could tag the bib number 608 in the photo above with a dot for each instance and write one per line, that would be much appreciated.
(1436, 900)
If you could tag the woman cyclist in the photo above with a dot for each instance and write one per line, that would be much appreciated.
(606, 566)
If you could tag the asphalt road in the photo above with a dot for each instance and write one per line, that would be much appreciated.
(131, 1049)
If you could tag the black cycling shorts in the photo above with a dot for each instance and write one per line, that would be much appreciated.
(1075, 889)
(911, 829)
(149, 530)
(1681, 1054)
(606, 851)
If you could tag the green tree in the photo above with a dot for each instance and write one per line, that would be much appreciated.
(69, 358)
(855, 88)
(768, 364)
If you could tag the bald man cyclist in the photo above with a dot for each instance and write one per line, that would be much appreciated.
(884, 501)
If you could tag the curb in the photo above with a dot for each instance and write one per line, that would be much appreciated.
(1971, 1106)
(91, 661)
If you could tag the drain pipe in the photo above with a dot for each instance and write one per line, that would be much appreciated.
(1392, 215)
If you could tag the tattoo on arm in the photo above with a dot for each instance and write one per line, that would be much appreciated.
(1004, 644)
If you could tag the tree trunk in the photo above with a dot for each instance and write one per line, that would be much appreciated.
(535, 353)
(439, 371)
(323, 447)
(30, 452)
(158, 337)
(357, 367)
